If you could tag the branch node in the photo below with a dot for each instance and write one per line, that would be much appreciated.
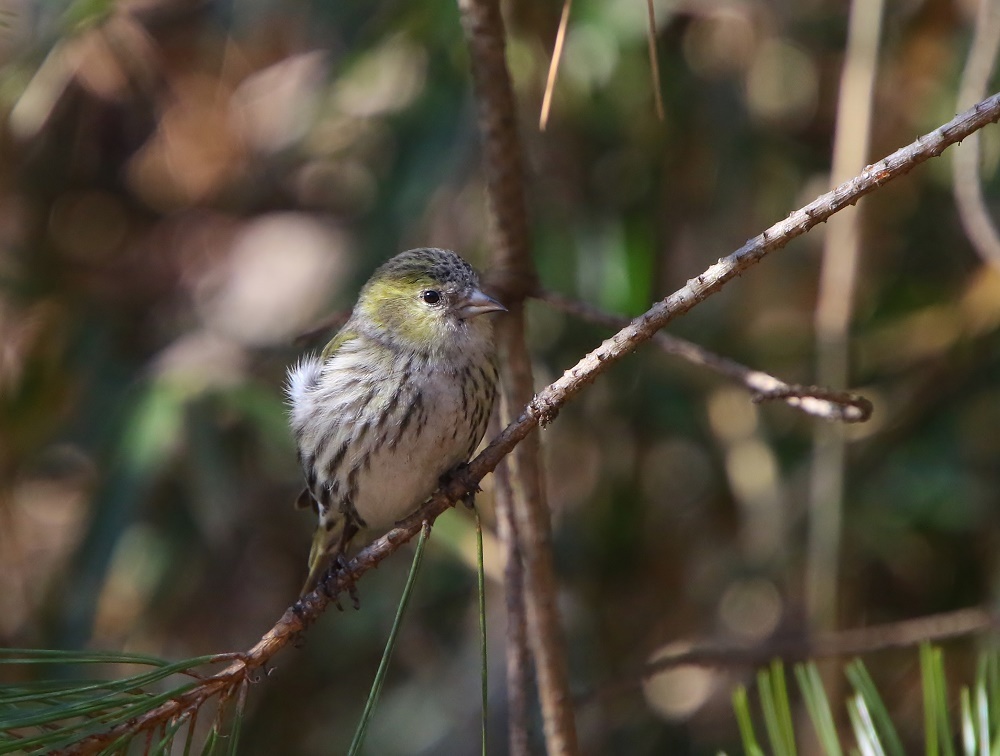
(544, 411)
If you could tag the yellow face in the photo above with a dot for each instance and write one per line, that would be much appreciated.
(415, 309)
(427, 300)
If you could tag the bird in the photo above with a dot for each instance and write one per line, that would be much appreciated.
(398, 399)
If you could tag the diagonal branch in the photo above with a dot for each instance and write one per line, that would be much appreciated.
(820, 402)
(853, 642)
(546, 404)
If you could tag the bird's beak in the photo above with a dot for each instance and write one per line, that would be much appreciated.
(478, 303)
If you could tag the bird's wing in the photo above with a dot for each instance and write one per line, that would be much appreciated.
(306, 500)
(344, 335)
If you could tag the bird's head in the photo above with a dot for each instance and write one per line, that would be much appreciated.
(429, 300)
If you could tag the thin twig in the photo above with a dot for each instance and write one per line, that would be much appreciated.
(546, 405)
(817, 401)
(854, 642)
(483, 640)
(968, 185)
(547, 402)
(654, 61)
(834, 304)
(550, 81)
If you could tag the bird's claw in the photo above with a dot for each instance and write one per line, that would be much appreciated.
(352, 591)
(337, 565)
(458, 473)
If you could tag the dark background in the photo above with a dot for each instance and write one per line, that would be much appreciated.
(186, 187)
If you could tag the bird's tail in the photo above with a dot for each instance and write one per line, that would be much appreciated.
(327, 545)
(331, 544)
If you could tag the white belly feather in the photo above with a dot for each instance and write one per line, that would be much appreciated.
(332, 402)
(400, 479)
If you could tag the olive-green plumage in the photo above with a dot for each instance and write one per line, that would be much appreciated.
(399, 397)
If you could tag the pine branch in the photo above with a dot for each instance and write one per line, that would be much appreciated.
(546, 404)
(817, 401)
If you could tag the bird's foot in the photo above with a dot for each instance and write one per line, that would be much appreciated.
(337, 565)
(457, 473)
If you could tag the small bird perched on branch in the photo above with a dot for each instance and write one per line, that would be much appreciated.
(400, 397)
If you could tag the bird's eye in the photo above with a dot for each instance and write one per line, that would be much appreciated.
(431, 297)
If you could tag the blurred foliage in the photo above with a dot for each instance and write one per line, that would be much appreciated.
(185, 186)
(872, 728)
(44, 711)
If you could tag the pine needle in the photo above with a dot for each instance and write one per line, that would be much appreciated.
(741, 705)
(777, 710)
(864, 728)
(383, 667)
(818, 707)
(864, 686)
(654, 61)
(45, 714)
(557, 49)
(481, 582)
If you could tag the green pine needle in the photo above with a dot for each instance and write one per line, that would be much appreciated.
(165, 744)
(983, 719)
(237, 724)
(777, 710)
(209, 748)
(936, 722)
(42, 715)
(864, 727)
(481, 581)
(383, 667)
(741, 705)
(864, 686)
(818, 707)
(967, 722)
(930, 700)
(873, 728)
(47, 714)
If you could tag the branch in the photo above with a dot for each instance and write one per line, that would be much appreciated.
(813, 400)
(484, 34)
(528, 526)
(834, 308)
(862, 640)
(967, 183)
(533, 530)
(855, 642)
(546, 404)
(518, 664)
